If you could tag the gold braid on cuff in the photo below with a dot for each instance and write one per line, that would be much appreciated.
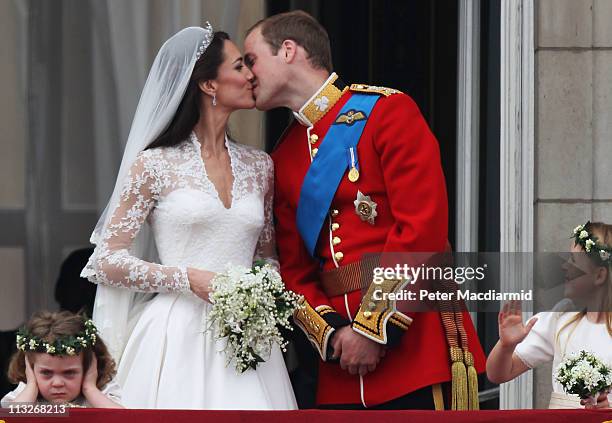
(377, 310)
(317, 330)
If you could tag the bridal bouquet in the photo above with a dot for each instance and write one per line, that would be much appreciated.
(249, 306)
(585, 375)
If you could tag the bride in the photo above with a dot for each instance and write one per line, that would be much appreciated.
(187, 201)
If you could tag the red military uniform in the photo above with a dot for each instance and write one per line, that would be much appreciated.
(400, 171)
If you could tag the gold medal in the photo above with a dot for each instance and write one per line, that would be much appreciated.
(353, 174)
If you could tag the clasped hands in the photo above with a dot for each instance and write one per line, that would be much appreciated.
(602, 401)
(358, 354)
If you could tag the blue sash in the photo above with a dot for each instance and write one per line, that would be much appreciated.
(328, 167)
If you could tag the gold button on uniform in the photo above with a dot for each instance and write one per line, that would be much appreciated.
(314, 138)
(335, 226)
(335, 213)
(339, 256)
(336, 240)
(367, 314)
(314, 152)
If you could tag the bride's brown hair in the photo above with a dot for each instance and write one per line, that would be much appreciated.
(49, 326)
(187, 115)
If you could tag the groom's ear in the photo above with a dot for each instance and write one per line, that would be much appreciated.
(209, 87)
(289, 50)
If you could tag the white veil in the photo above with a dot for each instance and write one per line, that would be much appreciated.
(116, 309)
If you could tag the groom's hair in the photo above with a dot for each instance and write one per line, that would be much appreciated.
(302, 28)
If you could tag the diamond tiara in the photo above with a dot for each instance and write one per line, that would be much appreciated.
(208, 36)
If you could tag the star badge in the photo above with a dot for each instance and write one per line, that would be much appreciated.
(365, 208)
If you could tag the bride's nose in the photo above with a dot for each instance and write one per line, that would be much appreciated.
(249, 75)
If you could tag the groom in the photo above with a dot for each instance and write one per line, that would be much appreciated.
(357, 171)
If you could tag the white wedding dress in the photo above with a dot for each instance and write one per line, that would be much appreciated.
(171, 360)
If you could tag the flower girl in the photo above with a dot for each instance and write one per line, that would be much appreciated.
(61, 360)
(557, 335)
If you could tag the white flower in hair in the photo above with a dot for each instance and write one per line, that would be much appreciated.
(584, 234)
(588, 245)
(70, 351)
(578, 229)
(604, 255)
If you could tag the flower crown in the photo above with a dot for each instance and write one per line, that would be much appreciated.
(583, 236)
(68, 345)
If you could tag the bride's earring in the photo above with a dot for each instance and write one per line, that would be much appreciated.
(214, 99)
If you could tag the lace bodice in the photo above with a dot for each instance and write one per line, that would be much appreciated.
(168, 188)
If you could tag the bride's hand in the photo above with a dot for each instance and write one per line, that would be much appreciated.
(511, 328)
(200, 282)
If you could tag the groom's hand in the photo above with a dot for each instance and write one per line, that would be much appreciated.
(602, 401)
(358, 354)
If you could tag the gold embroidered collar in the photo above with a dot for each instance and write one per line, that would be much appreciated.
(322, 101)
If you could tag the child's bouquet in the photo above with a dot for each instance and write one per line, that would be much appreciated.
(585, 375)
(249, 305)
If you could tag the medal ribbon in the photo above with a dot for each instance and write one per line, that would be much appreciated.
(328, 167)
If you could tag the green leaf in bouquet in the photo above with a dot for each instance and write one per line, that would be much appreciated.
(257, 265)
(252, 363)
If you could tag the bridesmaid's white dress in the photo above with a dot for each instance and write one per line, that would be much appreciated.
(552, 339)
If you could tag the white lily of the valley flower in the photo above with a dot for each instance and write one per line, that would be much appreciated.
(578, 229)
(584, 234)
(247, 310)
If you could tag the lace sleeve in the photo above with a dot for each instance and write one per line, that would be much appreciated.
(112, 263)
(266, 245)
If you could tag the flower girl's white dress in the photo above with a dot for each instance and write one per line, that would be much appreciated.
(551, 340)
(170, 360)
